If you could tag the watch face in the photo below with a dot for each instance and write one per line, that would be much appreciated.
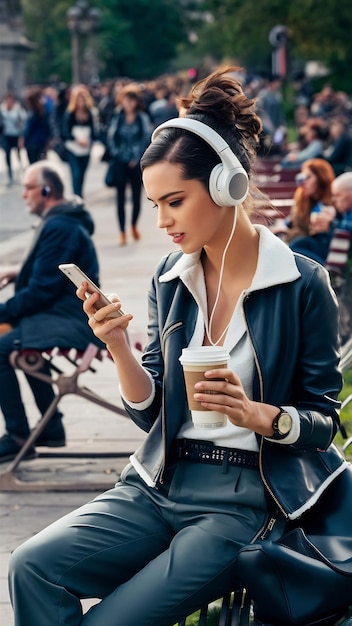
(284, 423)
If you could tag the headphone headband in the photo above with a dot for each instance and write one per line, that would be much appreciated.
(228, 183)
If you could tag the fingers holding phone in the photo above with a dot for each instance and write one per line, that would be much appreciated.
(106, 317)
(106, 321)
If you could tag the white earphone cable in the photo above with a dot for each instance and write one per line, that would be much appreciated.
(208, 326)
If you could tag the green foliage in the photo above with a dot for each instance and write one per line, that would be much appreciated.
(46, 28)
(318, 30)
(145, 38)
(346, 413)
(136, 39)
(212, 617)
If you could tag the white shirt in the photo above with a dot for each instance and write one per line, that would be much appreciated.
(276, 265)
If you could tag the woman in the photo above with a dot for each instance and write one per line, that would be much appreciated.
(312, 213)
(79, 132)
(313, 135)
(13, 116)
(128, 136)
(164, 541)
(38, 130)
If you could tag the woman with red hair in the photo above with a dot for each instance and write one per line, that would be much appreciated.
(308, 225)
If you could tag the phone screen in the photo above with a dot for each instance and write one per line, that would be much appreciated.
(77, 276)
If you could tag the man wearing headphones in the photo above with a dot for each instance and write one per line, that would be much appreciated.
(44, 311)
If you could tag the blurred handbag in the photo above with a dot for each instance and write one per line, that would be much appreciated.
(110, 176)
(305, 577)
(61, 150)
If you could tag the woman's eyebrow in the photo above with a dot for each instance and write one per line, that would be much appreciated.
(166, 195)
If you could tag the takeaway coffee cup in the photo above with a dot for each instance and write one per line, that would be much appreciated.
(196, 361)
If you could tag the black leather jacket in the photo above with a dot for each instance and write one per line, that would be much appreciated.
(293, 330)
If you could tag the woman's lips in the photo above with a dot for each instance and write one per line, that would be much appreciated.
(177, 237)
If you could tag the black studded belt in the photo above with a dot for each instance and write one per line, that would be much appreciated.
(205, 452)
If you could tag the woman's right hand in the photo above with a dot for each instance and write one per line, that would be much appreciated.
(110, 330)
(134, 381)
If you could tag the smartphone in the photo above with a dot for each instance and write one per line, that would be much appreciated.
(77, 276)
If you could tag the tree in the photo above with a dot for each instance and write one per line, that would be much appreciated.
(136, 39)
(319, 30)
(144, 38)
(47, 28)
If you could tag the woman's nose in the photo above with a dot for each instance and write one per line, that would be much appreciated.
(164, 219)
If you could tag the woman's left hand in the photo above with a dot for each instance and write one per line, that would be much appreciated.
(229, 397)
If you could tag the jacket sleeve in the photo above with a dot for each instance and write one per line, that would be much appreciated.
(318, 379)
(46, 284)
(152, 360)
(145, 137)
(66, 127)
(111, 135)
(294, 331)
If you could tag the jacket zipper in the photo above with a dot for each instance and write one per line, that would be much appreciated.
(265, 529)
(266, 484)
(160, 474)
(261, 386)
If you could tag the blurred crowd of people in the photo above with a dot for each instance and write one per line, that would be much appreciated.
(322, 125)
(121, 114)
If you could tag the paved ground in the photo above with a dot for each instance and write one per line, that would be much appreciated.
(90, 428)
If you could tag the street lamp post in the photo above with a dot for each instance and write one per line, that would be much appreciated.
(278, 39)
(83, 22)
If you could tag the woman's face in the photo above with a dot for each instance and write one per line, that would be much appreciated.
(81, 101)
(185, 208)
(129, 104)
(310, 182)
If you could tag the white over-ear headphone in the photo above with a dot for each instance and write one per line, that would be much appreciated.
(228, 182)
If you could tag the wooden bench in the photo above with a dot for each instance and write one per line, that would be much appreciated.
(31, 362)
(279, 185)
(236, 609)
(233, 609)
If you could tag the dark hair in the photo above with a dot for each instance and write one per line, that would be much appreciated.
(34, 100)
(50, 176)
(133, 92)
(219, 102)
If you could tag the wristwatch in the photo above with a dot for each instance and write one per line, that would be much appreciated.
(282, 424)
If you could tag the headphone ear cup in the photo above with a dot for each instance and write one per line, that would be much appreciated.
(46, 191)
(214, 187)
(228, 187)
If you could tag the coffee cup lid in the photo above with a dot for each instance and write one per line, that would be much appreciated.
(204, 354)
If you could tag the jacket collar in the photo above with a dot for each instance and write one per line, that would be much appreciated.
(276, 264)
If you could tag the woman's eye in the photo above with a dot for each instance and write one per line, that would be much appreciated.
(175, 203)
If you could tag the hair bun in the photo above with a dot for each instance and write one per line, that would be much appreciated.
(221, 97)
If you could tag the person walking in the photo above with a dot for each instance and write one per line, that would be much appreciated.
(79, 130)
(43, 310)
(164, 540)
(13, 116)
(128, 136)
(38, 131)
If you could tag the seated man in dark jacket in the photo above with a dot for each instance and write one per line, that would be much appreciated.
(44, 311)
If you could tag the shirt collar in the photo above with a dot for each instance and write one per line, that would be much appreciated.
(276, 263)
